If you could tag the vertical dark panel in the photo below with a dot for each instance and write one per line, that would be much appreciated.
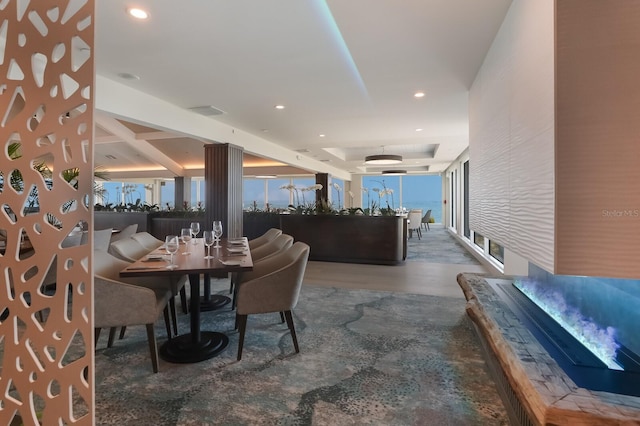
(178, 192)
(223, 186)
(322, 179)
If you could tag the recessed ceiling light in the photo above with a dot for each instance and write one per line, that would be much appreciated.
(418, 95)
(279, 107)
(128, 76)
(419, 130)
(138, 13)
(322, 135)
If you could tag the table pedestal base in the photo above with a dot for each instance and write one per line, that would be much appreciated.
(183, 350)
(213, 302)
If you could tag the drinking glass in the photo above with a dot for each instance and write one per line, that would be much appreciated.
(208, 242)
(171, 244)
(195, 230)
(185, 235)
(217, 231)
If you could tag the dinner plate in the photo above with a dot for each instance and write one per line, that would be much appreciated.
(236, 240)
(237, 243)
(236, 250)
(231, 262)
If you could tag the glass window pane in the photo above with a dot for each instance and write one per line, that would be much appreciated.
(423, 192)
(381, 191)
(496, 251)
(167, 195)
(336, 193)
(278, 198)
(478, 240)
(305, 197)
(253, 194)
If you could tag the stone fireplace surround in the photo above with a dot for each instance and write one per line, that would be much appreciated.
(535, 389)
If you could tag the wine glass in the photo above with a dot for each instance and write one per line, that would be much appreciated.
(195, 230)
(185, 235)
(209, 238)
(217, 231)
(171, 244)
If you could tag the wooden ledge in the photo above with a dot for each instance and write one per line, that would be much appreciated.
(547, 394)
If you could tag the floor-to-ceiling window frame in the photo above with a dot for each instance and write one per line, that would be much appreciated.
(459, 212)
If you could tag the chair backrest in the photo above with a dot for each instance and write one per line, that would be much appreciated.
(426, 217)
(415, 219)
(281, 242)
(147, 240)
(274, 284)
(270, 235)
(108, 266)
(101, 239)
(125, 232)
(128, 249)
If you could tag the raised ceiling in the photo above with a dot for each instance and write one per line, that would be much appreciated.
(347, 70)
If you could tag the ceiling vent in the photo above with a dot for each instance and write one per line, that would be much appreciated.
(206, 110)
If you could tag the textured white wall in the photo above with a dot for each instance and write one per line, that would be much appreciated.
(511, 108)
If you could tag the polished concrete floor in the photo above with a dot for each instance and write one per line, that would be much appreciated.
(436, 279)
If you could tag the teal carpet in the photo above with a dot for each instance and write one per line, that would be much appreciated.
(366, 358)
(437, 245)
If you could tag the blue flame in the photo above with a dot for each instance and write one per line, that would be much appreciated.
(600, 341)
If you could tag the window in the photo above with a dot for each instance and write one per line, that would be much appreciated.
(423, 192)
(465, 171)
(478, 240)
(116, 193)
(496, 251)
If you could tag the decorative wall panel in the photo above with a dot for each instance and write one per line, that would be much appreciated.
(46, 170)
(598, 138)
(512, 195)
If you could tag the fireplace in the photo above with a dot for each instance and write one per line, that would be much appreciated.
(589, 353)
(543, 373)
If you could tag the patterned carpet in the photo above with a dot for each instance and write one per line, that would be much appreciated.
(437, 245)
(366, 358)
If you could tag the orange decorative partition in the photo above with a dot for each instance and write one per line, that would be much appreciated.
(46, 181)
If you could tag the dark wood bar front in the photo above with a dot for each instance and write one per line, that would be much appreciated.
(352, 239)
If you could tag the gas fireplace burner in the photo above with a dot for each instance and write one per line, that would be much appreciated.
(580, 364)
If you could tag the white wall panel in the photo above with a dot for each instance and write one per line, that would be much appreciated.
(511, 135)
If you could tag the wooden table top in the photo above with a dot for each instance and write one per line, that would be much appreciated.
(233, 256)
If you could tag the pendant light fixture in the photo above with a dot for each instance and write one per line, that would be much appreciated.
(382, 159)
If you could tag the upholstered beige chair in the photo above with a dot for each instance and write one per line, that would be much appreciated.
(280, 243)
(101, 239)
(415, 221)
(128, 249)
(270, 235)
(118, 304)
(425, 219)
(272, 286)
(109, 267)
(147, 240)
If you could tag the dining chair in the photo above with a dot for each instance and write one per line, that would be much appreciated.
(128, 249)
(270, 235)
(147, 240)
(102, 238)
(118, 304)
(278, 244)
(415, 222)
(425, 219)
(108, 266)
(272, 286)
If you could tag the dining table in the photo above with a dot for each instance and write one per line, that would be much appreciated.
(233, 255)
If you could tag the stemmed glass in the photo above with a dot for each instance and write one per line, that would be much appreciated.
(208, 242)
(217, 231)
(171, 244)
(185, 235)
(195, 230)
